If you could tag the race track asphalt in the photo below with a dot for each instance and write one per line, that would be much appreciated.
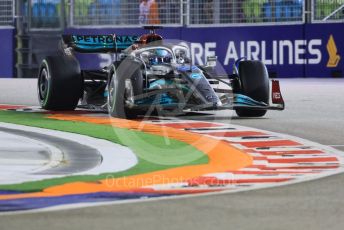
(80, 157)
(314, 111)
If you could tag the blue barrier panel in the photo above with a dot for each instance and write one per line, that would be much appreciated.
(331, 49)
(287, 50)
(6, 52)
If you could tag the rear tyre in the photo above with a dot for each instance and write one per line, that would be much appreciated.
(59, 83)
(125, 82)
(254, 83)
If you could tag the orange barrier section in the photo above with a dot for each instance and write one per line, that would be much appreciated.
(222, 157)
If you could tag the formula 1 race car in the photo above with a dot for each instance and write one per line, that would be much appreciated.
(151, 75)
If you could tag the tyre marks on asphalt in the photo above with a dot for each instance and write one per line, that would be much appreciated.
(67, 154)
(77, 157)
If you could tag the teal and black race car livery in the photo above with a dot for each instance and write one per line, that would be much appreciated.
(151, 75)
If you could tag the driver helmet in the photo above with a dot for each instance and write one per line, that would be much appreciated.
(160, 56)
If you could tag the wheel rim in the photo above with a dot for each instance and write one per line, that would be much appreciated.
(112, 92)
(43, 85)
(129, 92)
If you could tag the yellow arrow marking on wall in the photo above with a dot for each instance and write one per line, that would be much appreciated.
(332, 52)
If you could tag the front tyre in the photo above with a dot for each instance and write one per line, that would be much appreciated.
(116, 95)
(59, 83)
(254, 83)
(125, 83)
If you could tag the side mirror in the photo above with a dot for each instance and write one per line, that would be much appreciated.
(211, 61)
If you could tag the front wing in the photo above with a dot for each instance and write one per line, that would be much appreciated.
(229, 100)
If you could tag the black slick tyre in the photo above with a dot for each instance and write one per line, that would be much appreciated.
(254, 83)
(125, 82)
(59, 83)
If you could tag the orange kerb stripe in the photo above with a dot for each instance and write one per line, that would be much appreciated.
(293, 152)
(222, 157)
(311, 167)
(303, 160)
(235, 134)
(11, 107)
(191, 125)
(274, 143)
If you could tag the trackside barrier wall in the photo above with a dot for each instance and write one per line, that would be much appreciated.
(328, 39)
(6, 52)
(310, 50)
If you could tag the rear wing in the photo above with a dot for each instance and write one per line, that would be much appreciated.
(99, 43)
